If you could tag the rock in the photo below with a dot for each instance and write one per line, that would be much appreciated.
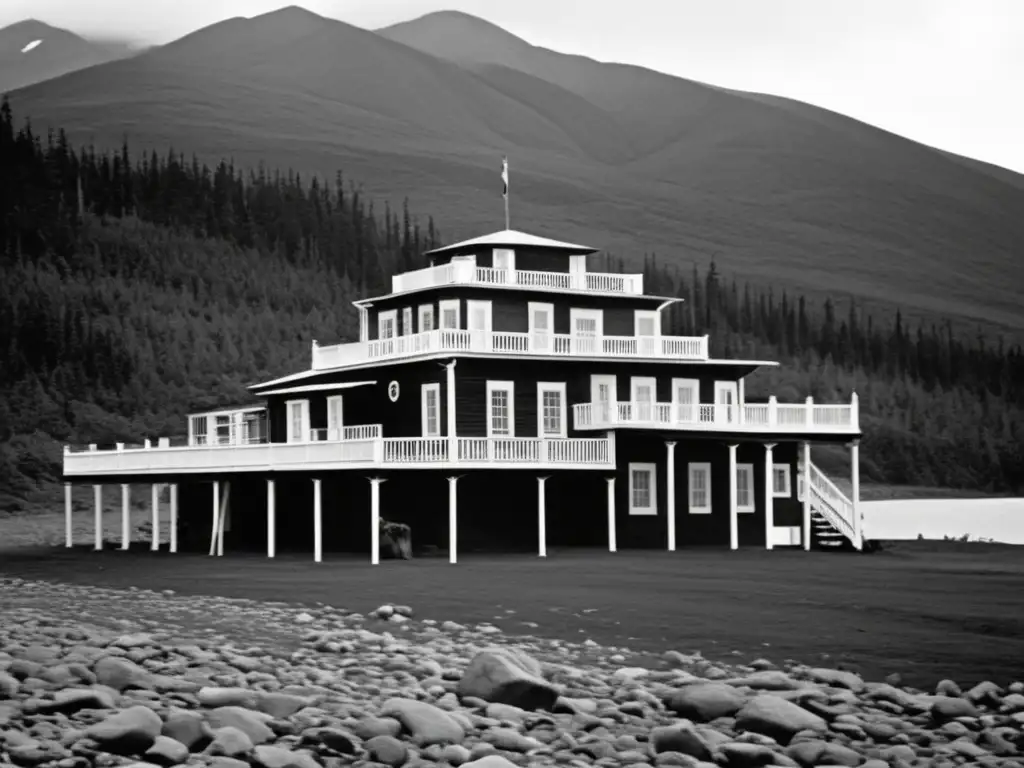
(266, 756)
(706, 701)
(837, 678)
(766, 680)
(778, 718)
(948, 708)
(71, 700)
(167, 751)
(507, 677)
(742, 755)
(129, 732)
(230, 741)
(510, 740)
(120, 673)
(253, 724)
(228, 697)
(387, 750)
(814, 752)
(455, 754)
(427, 723)
(491, 761)
(281, 705)
(332, 738)
(681, 738)
(188, 728)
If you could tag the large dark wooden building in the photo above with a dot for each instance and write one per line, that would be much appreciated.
(502, 397)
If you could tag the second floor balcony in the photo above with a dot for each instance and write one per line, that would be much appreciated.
(468, 273)
(511, 343)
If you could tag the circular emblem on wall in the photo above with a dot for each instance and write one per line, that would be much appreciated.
(393, 391)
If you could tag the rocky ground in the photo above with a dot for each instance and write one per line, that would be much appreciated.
(102, 677)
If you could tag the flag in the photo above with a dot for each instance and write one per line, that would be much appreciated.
(504, 174)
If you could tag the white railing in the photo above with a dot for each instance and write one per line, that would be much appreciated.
(758, 417)
(467, 273)
(357, 432)
(511, 343)
(834, 505)
(355, 452)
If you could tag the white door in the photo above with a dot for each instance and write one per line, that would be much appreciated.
(685, 400)
(542, 326)
(587, 331)
(504, 265)
(603, 399)
(386, 331)
(479, 324)
(642, 396)
(298, 421)
(646, 330)
(726, 402)
(335, 418)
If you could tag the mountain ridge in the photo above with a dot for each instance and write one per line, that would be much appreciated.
(632, 160)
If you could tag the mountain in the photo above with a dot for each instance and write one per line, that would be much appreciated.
(31, 52)
(618, 156)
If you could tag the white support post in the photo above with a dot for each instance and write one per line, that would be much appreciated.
(734, 518)
(225, 512)
(97, 493)
(375, 520)
(215, 519)
(271, 520)
(125, 516)
(809, 414)
(671, 481)
(453, 519)
(858, 533)
(741, 400)
(155, 545)
(453, 440)
(769, 496)
(174, 517)
(854, 411)
(612, 544)
(542, 521)
(317, 523)
(773, 411)
(806, 449)
(69, 538)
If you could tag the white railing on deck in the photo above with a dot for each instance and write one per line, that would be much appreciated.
(584, 452)
(833, 504)
(511, 343)
(357, 432)
(757, 417)
(467, 273)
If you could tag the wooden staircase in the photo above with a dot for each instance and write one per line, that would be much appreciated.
(832, 516)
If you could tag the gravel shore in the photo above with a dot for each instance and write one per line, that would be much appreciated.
(101, 677)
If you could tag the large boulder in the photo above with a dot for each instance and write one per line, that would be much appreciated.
(427, 724)
(130, 732)
(507, 676)
(706, 701)
(774, 716)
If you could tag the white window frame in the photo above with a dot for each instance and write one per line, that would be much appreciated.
(648, 411)
(303, 436)
(447, 304)
(692, 468)
(651, 509)
(340, 426)
(595, 314)
(647, 314)
(542, 341)
(551, 386)
(423, 312)
(425, 390)
(407, 328)
(694, 386)
(788, 475)
(748, 470)
(496, 253)
(510, 387)
(382, 317)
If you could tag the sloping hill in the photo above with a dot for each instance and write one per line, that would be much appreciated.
(620, 157)
(31, 52)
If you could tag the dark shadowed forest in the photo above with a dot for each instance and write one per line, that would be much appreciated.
(138, 288)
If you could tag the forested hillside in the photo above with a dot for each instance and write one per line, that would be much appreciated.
(137, 289)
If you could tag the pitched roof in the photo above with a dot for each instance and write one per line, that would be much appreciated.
(511, 238)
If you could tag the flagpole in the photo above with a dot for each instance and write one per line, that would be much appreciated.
(506, 212)
(504, 178)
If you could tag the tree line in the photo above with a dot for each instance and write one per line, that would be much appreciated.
(137, 289)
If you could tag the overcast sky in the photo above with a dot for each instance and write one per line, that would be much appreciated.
(947, 73)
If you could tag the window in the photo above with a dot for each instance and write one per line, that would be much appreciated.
(646, 322)
(407, 321)
(500, 409)
(430, 406)
(335, 417)
(643, 489)
(781, 487)
(541, 326)
(223, 429)
(199, 430)
(504, 258)
(551, 409)
(386, 322)
(642, 394)
(700, 488)
(744, 487)
(450, 314)
(426, 317)
(685, 398)
(298, 421)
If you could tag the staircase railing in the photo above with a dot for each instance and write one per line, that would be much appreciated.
(834, 505)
